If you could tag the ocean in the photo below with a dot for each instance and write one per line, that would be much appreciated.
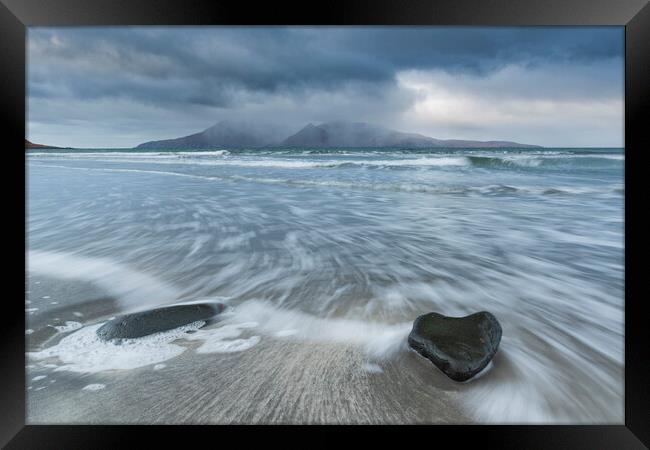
(324, 258)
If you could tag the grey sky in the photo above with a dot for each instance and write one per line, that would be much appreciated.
(121, 86)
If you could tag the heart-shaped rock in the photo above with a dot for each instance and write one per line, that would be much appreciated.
(156, 320)
(459, 346)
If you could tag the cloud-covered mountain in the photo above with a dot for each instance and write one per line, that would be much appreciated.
(226, 133)
(355, 134)
(329, 134)
(359, 134)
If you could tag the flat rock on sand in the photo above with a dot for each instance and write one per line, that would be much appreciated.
(156, 320)
(459, 346)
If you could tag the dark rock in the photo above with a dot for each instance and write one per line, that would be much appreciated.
(156, 320)
(459, 346)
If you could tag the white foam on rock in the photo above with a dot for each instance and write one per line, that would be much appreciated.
(40, 377)
(93, 387)
(84, 352)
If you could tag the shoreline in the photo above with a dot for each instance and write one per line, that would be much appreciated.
(276, 381)
(333, 277)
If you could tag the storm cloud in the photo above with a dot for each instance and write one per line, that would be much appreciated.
(120, 86)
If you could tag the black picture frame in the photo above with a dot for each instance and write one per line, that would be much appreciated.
(16, 15)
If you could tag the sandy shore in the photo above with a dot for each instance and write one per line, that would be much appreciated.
(276, 381)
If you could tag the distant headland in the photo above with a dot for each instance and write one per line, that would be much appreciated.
(30, 145)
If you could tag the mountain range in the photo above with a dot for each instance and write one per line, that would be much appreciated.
(229, 133)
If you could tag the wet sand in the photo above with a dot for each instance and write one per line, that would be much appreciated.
(277, 381)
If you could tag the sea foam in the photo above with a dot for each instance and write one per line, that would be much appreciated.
(126, 284)
(84, 352)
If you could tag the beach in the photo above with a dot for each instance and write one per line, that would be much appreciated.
(323, 258)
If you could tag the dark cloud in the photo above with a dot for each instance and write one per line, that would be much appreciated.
(273, 59)
(233, 70)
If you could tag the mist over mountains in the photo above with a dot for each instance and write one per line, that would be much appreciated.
(226, 133)
(239, 134)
